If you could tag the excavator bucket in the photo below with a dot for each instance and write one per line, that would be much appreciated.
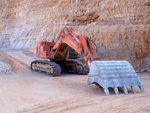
(114, 74)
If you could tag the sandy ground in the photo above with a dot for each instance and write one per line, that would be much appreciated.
(24, 91)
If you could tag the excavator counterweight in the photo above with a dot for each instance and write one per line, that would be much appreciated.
(74, 53)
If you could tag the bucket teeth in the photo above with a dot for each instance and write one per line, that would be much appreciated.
(133, 88)
(116, 91)
(125, 90)
(106, 91)
(141, 88)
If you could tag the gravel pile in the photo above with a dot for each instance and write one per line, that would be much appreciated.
(5, 68)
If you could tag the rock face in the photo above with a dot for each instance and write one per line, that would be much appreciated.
(120, 28)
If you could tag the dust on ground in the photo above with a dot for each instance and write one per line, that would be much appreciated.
(24, 91)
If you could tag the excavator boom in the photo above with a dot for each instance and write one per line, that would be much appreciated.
(83, 45)
(107, 74)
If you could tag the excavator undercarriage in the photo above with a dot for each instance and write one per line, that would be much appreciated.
(56, 68)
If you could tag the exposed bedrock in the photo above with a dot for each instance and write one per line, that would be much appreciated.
(120, 28)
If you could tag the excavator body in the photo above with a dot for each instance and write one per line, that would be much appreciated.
(43, 50)
(74, 53)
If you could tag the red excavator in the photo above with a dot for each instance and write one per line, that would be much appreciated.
(74, 53)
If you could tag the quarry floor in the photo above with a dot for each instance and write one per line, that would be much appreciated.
(24, 91)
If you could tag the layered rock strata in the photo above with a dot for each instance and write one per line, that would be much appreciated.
(120, 28)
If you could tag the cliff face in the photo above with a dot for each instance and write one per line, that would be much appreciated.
(0, 16)
(120, 28)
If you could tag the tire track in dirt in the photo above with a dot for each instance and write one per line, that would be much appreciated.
(59, 106)
(102, 104)
(16, 60)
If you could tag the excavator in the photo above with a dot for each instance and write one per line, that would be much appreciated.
(74, 53)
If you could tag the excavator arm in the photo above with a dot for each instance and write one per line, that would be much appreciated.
(83, 45)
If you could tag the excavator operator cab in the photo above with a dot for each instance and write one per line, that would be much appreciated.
(73, 54)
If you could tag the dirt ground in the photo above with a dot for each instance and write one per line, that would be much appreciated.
(24, 91)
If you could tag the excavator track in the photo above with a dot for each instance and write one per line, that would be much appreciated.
(85, 69)
(48, 67)
(74, 67)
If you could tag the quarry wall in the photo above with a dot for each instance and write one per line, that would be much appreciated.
(120, 28)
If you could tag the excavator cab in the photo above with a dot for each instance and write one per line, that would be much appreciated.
(73, 54)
